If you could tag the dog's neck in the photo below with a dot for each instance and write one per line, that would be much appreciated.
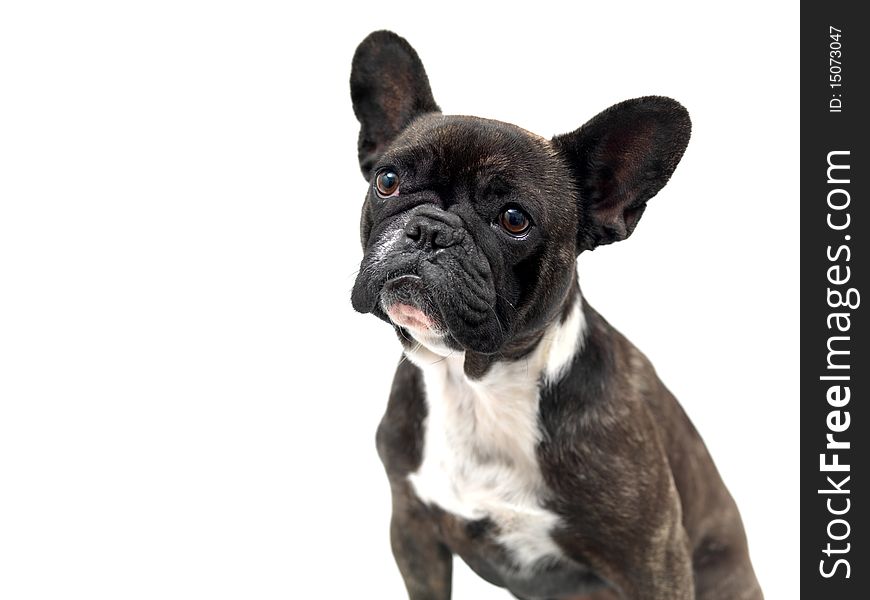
(547, 357)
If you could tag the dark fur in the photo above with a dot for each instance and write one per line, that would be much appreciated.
(645, 514)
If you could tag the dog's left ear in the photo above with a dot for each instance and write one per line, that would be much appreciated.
(389, 88)
(620, 159)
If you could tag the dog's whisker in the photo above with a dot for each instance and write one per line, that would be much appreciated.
(405, 353)
(497, 320)
(508, 302)
(443, 358)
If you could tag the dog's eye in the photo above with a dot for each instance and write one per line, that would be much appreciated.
(514, 221)
(387, 183)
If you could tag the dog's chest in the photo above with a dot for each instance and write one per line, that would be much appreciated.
(479, 455)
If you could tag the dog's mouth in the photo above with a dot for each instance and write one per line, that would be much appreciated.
(406, 304)
(408, 316)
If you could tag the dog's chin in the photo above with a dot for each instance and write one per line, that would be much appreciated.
(428, 315)
(421, 333)
(426, 339)
(406, 304)
(422, 326)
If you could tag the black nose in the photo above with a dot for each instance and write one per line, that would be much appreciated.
(430, 234)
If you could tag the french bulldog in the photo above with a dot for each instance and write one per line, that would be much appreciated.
(523, 433)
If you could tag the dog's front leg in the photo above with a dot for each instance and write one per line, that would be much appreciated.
(645, 555)
(425, 562)
(723, 573)
(668, 575)
(660, 569)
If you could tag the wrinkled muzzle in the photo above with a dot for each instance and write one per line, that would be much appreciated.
(424, 266)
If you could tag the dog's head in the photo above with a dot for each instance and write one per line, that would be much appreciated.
(470, 226)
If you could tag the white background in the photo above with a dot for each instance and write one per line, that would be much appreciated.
(187, 400)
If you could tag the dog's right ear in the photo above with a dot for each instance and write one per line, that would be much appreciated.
(389, 88)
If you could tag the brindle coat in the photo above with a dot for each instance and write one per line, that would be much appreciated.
(643, 512)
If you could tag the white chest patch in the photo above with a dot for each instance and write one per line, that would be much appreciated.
(480, 440)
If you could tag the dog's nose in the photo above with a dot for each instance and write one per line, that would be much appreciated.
(430, 234)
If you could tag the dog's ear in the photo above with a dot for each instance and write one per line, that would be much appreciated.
(620, 159)
(389, 88)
